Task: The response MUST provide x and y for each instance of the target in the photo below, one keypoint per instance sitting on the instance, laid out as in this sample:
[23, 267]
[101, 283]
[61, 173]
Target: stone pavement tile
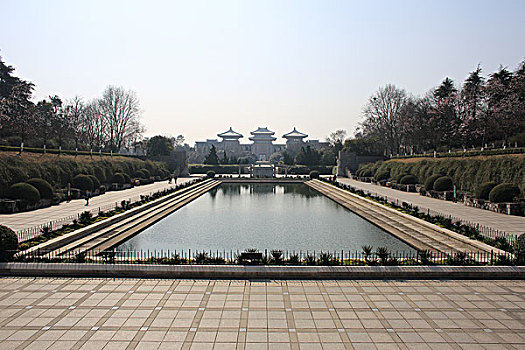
[386, 346]
[279, 346]
[38, 344]
[201, 346]
[175, 336]
[225, 346]
[310, 346]
[171, 345]
[21, 335]
[226, 337]
[11, 344]
[359, 337]
[116, 345]
[63, 344]
[147, 345]
[94, 345]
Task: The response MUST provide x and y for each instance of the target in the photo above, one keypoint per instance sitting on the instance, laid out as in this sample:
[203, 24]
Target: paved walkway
[207, 314]
[496, 221]
[24, 220]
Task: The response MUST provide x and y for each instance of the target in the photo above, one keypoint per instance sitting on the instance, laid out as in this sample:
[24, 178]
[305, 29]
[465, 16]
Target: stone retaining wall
[262, 272]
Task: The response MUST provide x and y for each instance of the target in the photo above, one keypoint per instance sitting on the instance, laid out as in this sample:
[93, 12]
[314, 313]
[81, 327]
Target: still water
[263, 216]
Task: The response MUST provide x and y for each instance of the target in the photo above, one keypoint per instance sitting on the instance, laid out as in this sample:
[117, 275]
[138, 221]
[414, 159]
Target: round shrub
[100, 174]
[364, 173]
[382, 175]
[24, 191]
[400, 176]
[82, 182]
[43, 187]
[444, 183]
[139, 174]
[8, 243]
[408, 180]
[504, 193]
[127, 178]
[146, 172]
[118, 178]
[210, 174]
[484, 189]
[96, 183]
[314, 174]
[429, 183]
[17, 174]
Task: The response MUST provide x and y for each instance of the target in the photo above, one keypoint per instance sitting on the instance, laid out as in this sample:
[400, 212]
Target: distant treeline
[482, 112]
[108, 123]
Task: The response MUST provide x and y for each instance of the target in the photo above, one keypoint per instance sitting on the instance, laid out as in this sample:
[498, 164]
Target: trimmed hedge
[127, 178]
[400, 176]
[210, 174]
[60, 170]
[444, 183]
[43, 187]
[24, 191]
[118, 178]
[484, 189]
[82, 182]
[467, 173]
[8, 243]
[382, 175]
[146, 173]
[96, 183]
[429, 183]
[504, 193]
[409, 180]
[139, 174]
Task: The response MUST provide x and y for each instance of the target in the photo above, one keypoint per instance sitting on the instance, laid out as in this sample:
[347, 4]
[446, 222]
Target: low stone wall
[504, 208]
[262, 272]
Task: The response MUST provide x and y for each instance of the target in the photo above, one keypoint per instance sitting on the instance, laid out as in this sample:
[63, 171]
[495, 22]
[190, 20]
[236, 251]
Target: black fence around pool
[377, 256]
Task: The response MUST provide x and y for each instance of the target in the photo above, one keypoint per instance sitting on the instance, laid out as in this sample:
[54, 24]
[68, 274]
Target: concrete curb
[264, 272]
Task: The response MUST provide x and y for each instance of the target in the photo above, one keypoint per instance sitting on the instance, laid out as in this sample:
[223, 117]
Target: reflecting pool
[263, 216]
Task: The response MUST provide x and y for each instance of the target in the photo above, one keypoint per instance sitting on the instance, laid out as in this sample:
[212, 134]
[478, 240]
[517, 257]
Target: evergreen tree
[212, 158]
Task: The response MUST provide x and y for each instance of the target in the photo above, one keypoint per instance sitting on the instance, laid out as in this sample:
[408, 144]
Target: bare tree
[74, 110]
[382, 116]
[337, 139]
[121, 111]
[93, 126]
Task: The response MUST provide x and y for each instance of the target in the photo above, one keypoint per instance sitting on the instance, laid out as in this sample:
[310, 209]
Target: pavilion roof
[294, 134]
[230, 134]
[262, 131]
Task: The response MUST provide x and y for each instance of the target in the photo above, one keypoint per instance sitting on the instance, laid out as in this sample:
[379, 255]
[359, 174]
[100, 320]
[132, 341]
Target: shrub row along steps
[109, 233]
[418, 233]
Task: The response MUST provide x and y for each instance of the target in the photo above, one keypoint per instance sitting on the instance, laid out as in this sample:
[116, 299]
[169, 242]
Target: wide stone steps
[415, 232]
[120, 229]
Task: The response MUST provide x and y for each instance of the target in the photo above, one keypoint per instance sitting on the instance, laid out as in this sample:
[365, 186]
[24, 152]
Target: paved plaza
[219, 314]
[496, 221]
[28, 219]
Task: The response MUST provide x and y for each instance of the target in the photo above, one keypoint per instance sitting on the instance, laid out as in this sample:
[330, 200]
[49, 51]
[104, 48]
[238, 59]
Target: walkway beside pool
[508, 223]
[28, 219]
[45, 313]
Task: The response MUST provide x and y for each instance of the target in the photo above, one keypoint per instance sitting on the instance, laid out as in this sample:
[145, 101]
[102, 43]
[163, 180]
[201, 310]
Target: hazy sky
[199, 67]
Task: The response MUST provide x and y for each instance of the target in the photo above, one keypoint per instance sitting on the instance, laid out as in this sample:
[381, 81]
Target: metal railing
[380, 256]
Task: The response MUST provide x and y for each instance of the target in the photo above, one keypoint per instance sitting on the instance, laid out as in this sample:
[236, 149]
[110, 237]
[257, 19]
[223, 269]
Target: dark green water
[263, 216]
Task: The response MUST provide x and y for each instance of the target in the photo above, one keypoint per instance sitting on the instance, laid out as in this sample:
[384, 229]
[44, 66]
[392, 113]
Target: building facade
[262, 146]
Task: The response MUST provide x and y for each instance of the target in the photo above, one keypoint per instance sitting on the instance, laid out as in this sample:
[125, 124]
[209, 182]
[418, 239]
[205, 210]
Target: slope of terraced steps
[119, 229]
[415, 232]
